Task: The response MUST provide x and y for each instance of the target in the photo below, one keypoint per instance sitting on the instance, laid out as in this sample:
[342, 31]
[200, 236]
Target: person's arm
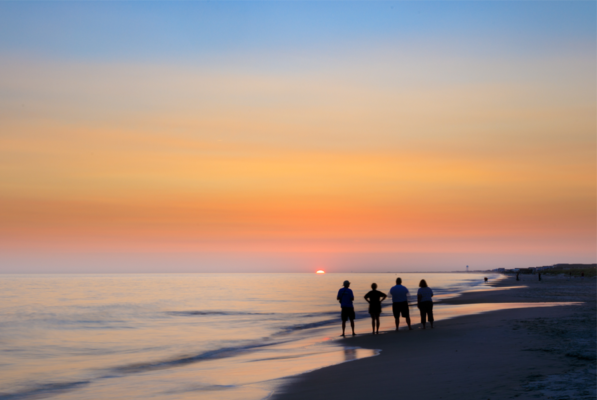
[383, 297]
[367, 298]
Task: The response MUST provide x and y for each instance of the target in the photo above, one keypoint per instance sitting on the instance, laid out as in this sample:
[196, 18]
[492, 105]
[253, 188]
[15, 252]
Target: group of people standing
[374, 297]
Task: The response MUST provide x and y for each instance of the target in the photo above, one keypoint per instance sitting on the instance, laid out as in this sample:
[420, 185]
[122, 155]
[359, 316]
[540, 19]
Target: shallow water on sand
[166, 336]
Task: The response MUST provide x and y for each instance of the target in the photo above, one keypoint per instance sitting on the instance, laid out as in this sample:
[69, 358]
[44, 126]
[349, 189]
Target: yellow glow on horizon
[320, 272]
[190, 161]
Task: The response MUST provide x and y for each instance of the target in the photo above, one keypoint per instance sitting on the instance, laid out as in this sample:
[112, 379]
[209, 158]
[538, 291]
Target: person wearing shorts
[374, 298]
[400, 303]
[345, 297]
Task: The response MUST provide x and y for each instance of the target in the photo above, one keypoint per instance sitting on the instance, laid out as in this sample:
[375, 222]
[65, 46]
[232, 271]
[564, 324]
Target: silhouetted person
[374, 298]
[425, 303]
[345, 297]
[485, 279]
[539, 274]
[582, 276]
[400, 303]
[517, 274]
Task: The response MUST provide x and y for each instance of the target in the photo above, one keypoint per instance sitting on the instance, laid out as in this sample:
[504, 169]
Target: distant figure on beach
[374, 298]
[539, 274]
[517, 274]
[345, 297]
[582, 275]
[425, 303]
[400, 303]
[485, 279]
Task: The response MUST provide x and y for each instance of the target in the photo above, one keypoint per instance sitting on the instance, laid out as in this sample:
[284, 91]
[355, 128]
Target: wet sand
[524, 353]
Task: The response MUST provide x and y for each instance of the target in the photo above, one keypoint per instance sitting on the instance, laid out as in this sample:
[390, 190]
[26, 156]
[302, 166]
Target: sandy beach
[523, 353]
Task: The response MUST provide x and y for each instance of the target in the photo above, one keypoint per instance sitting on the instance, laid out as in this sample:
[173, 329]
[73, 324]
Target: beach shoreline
[522, 353]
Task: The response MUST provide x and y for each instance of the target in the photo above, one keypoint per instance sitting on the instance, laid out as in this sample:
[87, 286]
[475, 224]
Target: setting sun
[173, 170]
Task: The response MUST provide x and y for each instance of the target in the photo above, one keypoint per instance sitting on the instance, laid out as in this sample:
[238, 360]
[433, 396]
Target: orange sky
[339, 159]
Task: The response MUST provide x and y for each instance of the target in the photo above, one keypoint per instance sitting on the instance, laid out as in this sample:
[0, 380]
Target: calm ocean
[182, 336]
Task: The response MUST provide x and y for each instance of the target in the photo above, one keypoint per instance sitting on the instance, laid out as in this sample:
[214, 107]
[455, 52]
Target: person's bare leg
[373, 324]
[397, 321]
[408, 323]
[377, 324]
[343, 327]
[352, 326]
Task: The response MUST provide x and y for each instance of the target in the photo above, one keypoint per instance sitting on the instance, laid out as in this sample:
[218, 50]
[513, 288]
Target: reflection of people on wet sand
[400, 303]
[345, 297]
[425, 303]
[350, 354]
[374, 298]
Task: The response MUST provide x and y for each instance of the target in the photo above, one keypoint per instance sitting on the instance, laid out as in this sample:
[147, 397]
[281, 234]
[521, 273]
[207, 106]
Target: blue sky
[151, 30]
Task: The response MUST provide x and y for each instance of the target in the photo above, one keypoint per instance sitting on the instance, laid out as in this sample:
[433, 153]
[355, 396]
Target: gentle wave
[38, 391]
[202, 388]
[226, 313]
[224, 352]
[43, 391]
[300, 327]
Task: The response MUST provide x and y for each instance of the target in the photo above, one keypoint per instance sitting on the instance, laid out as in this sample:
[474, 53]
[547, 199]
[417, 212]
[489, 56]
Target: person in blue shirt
[345, 297]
